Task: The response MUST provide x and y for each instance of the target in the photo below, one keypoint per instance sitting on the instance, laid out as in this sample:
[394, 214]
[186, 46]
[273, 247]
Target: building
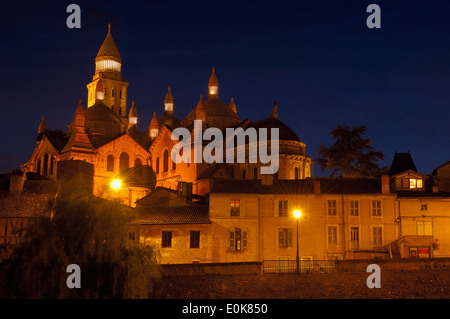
[106, 134]
[230, 212]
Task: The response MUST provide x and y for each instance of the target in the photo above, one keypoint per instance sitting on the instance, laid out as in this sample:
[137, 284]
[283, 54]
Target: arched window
[45, 172]
[38, 167]
[110, 163]
[255, 173]
[137, 162]
[52, 160]
[112, 92]
[296, 173]
[157, 165]
[124, 161]
[166, 161]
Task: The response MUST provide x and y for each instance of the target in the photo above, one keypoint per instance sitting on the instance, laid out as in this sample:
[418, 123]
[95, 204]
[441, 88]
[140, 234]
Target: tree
[87, 231]
[351, 154]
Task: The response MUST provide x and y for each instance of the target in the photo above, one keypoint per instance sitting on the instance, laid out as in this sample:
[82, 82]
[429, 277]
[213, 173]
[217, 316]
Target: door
[354, 238]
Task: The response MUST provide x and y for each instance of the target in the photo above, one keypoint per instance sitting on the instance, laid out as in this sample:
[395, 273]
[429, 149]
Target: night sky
[318, 59]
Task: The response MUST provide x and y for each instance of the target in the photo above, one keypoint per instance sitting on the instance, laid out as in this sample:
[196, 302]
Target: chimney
[316, 186]
[385, 188]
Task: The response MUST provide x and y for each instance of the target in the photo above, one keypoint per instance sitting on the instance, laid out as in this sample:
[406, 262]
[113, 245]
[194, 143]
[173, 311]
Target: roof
[109, 48]
[303, 186]
[401, 163]
[163, 215]
[284, 131]
[100, 112]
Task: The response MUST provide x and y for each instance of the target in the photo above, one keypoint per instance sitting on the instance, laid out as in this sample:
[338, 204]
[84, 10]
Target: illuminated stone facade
[106, 135]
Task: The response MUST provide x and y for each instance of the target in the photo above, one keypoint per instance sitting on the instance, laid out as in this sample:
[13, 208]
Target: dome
[213, 81]
[133, 111]
[218, 114]
[99, 112]
[285, 133]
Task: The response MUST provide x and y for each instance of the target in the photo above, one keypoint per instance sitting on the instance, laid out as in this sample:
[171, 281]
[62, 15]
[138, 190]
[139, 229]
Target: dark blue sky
[318, 59]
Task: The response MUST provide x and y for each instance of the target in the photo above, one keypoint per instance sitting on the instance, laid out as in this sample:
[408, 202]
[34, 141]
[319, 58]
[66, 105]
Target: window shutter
[420, 228]
[227, 205]
[280, 238]
[244, 239]
[231, 239]
[276, 207]
[242, 208]
[428, 228]
[289, 239]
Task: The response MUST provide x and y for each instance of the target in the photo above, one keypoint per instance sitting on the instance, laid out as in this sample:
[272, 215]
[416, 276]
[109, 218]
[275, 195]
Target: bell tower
[108, 66]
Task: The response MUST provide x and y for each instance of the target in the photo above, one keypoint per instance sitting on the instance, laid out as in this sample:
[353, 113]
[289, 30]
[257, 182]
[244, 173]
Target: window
[124, 161]
[237, 239]
[377, 237]
[166, 161]
[132, 236]
[331, 207]
[409, 183]
[283, 208]
[110, 163]
[52, 160]
[38, 167]
[284, 237]
[296, 173]
[332, 235]
[424, 228]
[45, 165]
[166, 239]
[376, 208]
[157, 166]
[255, 173]
[424, 207]
[195, 239]
[120, 94]
[112, 92]
[354, 208]
[137, 162]
[235, 207]
[243, 174]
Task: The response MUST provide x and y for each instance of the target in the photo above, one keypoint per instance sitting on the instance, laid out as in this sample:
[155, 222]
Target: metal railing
[304, 266]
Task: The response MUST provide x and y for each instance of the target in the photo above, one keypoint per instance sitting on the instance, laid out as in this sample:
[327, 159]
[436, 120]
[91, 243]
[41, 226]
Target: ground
[429, 284]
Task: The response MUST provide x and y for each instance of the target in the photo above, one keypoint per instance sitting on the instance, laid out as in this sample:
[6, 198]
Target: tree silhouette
[351, 154]
[87, 231]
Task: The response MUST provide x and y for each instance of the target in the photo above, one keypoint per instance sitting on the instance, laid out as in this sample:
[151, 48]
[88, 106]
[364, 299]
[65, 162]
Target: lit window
[237, 239]
[168, 107]
[213, 89]
[235, 208]
[133, 120]
[412, 183]
[419, 183]
[154, 132]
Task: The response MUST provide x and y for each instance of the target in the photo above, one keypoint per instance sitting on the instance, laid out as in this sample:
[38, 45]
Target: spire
[109, 48]
[154, 126]
[200, 110]
[275, 110]
[42, 126]
[168, 101]
[213, 85]
[108, 56]
[79, 140]
[232, 105]
[80, 118]
[132, 116]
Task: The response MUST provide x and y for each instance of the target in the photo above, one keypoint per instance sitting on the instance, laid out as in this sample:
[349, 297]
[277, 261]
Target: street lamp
[297, 215]
[116, 184]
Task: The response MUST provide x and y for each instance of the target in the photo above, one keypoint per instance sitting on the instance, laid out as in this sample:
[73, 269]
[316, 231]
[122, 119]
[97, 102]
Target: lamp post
[297, 215]
[116, 184]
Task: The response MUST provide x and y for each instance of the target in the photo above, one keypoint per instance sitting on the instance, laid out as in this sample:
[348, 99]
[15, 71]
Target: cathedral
[104, 132]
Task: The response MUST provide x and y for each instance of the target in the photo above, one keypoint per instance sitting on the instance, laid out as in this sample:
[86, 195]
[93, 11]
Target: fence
[304, 266]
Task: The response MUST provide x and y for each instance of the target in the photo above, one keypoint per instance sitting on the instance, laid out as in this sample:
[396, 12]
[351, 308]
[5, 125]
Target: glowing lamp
[297, 214]
[116, 184]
